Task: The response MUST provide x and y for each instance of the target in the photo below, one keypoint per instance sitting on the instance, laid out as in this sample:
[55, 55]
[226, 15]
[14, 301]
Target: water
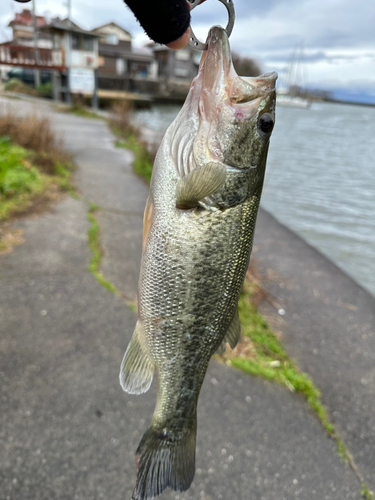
[320, 179]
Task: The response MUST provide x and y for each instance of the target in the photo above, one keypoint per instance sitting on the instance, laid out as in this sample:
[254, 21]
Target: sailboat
[291, 92]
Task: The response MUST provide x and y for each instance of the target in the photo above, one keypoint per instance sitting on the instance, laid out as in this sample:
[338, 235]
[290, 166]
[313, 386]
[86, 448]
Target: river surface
[320, 179]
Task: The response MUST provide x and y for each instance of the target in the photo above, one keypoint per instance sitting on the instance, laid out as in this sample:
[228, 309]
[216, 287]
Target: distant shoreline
[351, 103]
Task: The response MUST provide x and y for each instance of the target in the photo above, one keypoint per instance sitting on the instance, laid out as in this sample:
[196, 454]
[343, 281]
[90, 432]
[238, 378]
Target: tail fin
[165, 458]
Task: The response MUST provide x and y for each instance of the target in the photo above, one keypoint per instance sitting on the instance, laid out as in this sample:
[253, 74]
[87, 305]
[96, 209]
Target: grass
[366, 493]
[19, 178]
[15, 85]
[143, 162]
[34, 132]
[79, 110]
[261, 353]
[94, 245]
[122, 126]
[31, 160]
[22, 177]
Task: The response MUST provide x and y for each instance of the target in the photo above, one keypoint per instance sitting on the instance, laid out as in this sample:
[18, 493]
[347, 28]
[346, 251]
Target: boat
[290, 101]
[292, 92]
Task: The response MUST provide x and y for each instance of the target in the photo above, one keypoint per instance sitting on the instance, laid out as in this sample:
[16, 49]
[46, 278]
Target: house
[75, 47]
[21, 50]
[176, 70]
[176, 65]
[117, 56]
[76, 50]
[23, 30]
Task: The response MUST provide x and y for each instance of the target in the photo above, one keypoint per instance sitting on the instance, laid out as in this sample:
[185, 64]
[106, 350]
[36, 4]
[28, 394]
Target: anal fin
[198, 184]
[137, 370]
[232, 336]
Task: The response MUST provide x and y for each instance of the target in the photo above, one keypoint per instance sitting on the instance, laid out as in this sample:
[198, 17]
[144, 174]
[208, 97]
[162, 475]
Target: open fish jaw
[198, 231]
[221, 112]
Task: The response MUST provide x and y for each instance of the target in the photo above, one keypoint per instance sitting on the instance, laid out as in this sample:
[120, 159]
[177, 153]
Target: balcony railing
[29, 57]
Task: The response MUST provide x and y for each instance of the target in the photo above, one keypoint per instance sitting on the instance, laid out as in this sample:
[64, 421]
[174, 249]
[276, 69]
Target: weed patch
[82, 111]
[94, 245]
[31, 160]
[266, 357]
[19, 178]
[143, 162]
[122, 126]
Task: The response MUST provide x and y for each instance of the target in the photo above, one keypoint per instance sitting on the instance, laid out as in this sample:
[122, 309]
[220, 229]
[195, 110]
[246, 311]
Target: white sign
[82, 81]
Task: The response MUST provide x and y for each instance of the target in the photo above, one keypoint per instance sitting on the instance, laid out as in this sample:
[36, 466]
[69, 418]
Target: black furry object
[163, 20]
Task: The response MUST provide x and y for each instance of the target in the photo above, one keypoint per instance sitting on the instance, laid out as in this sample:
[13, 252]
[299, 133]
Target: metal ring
[197, 44]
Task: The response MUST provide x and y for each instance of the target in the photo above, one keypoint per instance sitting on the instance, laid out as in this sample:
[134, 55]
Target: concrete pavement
[68, 431]
[329, 327]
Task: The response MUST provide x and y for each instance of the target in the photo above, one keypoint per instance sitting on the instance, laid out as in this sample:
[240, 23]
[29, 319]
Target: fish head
[236, 114]
[226, 119]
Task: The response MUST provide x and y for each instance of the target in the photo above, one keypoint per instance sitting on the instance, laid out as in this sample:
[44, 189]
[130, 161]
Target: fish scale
[198, 231]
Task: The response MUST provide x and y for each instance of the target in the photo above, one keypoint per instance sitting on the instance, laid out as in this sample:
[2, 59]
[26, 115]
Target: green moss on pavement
[270, 359]
[94, 245]
[366, 493]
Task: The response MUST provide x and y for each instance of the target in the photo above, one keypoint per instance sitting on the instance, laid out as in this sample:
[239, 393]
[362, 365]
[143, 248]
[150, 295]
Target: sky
[337, 35]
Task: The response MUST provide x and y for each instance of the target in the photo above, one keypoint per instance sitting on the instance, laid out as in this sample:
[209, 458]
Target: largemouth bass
[198, 231]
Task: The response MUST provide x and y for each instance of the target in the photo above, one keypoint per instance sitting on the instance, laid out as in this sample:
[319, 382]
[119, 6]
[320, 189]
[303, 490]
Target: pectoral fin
[137, 370]
[232, 336]
[201, 182]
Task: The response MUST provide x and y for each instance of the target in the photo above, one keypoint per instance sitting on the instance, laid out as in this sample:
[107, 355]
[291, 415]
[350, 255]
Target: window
[182, 55]
[88, 43]
[76, 42]
[111, 39]
[181, 72]
[120, 66]
[56, 41]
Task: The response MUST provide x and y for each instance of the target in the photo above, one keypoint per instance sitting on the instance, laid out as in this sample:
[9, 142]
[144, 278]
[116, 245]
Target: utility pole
[35, 27]
[68, 55]
[69, 10]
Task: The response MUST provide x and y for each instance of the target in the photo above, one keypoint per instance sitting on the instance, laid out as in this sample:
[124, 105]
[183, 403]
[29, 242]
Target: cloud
[336, 33]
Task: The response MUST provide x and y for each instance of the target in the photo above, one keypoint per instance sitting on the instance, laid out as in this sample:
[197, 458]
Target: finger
[181, 42]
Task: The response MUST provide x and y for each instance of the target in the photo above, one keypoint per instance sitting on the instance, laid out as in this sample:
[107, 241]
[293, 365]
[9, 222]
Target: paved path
[67, 429]
[329, 327]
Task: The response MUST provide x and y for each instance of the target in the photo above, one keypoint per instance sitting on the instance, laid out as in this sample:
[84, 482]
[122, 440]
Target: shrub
[121, 118]
[15, 85]
[34, 132]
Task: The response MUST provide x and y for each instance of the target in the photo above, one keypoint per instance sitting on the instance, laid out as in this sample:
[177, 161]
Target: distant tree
[245, 66]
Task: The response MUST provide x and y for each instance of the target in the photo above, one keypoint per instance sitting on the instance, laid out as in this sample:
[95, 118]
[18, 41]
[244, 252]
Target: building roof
[102, 28]
[25, 18]
[67, 25]
[141, 54]
[157, 47]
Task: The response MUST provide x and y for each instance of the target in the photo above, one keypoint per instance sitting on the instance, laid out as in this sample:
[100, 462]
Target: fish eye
[266, 123]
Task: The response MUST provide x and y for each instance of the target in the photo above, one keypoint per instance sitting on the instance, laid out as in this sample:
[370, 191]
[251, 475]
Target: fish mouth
[220, 77]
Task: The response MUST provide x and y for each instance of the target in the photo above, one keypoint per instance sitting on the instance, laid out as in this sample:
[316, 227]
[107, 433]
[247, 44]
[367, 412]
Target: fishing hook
[197, 44]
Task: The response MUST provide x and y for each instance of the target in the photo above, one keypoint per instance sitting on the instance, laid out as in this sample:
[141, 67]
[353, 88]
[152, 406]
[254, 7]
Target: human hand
[165, 21]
